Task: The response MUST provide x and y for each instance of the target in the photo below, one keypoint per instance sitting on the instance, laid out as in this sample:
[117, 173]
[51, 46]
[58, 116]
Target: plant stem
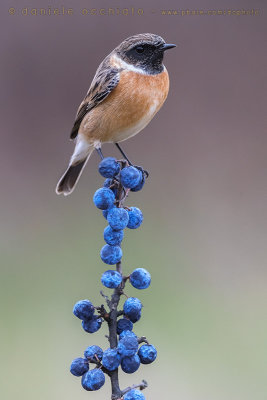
[140, 386]
[112, 325]
[113, 306]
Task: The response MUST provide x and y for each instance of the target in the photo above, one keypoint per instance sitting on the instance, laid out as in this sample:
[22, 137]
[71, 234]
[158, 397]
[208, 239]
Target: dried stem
[112, 325]
[141, 386]
[112, 322]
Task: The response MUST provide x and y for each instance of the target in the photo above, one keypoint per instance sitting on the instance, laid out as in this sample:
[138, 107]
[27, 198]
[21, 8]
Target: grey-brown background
[204, 234]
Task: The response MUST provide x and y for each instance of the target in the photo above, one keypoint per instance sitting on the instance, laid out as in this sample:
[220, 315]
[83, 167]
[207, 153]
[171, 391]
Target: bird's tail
[68, 181]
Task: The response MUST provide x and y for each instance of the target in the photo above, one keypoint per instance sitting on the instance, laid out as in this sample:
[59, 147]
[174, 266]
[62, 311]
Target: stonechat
[128, 89]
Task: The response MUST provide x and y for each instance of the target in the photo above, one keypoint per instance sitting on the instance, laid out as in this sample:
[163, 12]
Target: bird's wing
[105, 80]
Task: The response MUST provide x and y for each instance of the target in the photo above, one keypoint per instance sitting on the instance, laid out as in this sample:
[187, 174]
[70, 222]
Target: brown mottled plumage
[128, 89]
[105, 80]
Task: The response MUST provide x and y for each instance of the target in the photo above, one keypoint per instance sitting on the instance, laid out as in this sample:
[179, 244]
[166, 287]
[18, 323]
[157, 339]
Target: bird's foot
[144, 172]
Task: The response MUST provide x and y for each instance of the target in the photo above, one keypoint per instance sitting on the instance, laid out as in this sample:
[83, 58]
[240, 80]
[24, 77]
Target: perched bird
[128, 89]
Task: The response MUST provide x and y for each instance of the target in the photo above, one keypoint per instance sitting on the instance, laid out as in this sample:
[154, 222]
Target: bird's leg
[129, 162]
[123, 154]
[99, 151]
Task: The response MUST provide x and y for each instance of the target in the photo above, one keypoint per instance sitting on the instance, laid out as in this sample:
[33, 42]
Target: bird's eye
[139, 49]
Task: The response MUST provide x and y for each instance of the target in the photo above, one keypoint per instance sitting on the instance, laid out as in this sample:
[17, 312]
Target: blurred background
[204, 234]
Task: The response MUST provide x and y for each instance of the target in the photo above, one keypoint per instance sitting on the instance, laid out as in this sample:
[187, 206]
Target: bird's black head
[144, 51]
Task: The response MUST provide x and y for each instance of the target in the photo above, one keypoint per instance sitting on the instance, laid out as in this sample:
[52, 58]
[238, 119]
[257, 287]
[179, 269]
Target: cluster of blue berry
[109, 199]
[125, 349]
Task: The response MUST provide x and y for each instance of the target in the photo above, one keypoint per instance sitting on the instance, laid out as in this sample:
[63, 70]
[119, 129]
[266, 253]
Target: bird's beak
[167, 46]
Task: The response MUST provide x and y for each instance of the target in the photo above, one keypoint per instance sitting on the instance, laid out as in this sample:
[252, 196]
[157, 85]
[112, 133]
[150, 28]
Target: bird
[129, 87]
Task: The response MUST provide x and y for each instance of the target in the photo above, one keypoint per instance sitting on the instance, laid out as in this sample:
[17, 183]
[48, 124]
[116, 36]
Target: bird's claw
[144, 172]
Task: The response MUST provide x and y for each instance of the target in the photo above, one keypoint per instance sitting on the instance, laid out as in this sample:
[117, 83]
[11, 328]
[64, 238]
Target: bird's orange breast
[128, 108]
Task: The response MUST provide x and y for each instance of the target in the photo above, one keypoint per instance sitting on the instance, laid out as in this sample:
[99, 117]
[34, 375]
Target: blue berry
[135, 218]
[93, 380]
[111, 359]
[111, 254]
[105, 212]
[130, 364]
[147, 353]
[111, 279]
[92, 351]
[118, 218]
[79, 366]
[83, 309]
[104, 198]
[132, 309]
[135, 317]
[124, 324]
[108, 182]
[127, 333]
[140, 185]
[140, 278]
[109, 167]
[128, 346]
[92, 325]
[114, 238]
[134, 394]
[130, 177]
